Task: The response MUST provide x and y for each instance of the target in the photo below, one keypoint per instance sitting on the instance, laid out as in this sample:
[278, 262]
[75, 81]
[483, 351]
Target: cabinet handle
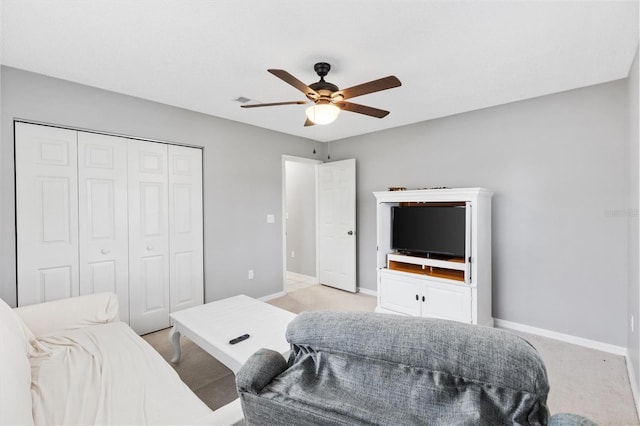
[417, 298]
[105, 251]
[423, 299]
[149, 248]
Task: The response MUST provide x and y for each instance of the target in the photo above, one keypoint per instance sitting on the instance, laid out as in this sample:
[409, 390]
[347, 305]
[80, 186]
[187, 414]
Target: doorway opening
[300, 199]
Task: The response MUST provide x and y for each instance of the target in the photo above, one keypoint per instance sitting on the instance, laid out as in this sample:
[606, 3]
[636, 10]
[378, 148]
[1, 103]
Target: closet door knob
[105, 251]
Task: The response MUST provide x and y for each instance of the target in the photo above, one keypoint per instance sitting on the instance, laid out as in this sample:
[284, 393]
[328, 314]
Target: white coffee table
[212, 325]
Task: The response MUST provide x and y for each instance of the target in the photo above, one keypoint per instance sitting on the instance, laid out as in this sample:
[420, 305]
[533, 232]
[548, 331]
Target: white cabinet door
[148, 237]
[400, 294]
[448, 301]
[46, 213]
[185, 227]
[103, 232]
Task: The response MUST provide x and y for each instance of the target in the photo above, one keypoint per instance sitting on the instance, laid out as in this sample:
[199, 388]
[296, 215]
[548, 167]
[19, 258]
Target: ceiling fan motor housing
[322, 87]
[322, 69]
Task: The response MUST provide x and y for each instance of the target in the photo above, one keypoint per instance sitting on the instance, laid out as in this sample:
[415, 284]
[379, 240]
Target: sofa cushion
[107, 374]
[15, 373]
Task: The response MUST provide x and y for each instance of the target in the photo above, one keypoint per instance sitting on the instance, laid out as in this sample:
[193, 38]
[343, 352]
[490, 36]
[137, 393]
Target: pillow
[15, 370]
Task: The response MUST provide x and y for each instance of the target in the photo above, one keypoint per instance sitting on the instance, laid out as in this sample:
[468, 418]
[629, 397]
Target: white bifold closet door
[148, 235]
[46, 213]
[104, 213]
[185, 227]
[165, 232]
[102, 206]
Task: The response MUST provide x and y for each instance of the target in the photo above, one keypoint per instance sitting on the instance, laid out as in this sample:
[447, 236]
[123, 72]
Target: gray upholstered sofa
[356, 368]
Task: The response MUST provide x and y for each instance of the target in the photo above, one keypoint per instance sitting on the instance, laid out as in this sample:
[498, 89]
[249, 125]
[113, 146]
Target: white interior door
[46, 213]
[103, 231]
[148, 237]
[185, 227]
[337, 224]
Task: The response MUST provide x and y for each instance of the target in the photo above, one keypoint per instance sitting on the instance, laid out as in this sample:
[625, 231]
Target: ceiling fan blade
[288, 78]
[309, 123]
[363, 109]
[273, 104]
[370, 87]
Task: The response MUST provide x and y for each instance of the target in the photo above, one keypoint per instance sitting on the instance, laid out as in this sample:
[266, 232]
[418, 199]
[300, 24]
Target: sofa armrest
[259, 370]
[69, 314]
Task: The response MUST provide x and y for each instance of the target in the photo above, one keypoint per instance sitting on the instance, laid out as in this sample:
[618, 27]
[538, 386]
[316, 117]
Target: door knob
[350, 233]
[105, 251]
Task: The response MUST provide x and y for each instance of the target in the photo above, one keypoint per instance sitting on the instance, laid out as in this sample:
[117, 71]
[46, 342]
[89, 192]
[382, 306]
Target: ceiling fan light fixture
[322, 113]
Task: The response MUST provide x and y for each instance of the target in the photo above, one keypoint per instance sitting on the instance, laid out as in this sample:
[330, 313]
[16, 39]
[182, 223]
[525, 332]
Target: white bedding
[106, 374]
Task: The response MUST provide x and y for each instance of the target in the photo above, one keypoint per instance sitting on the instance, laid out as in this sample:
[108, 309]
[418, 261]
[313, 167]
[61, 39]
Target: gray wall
[301, 217]
[242, 174]
[558, 165]
[559, 169]
[633, 298]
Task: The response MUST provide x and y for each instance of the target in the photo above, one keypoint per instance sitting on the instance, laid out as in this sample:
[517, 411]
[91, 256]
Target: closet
[98, 213]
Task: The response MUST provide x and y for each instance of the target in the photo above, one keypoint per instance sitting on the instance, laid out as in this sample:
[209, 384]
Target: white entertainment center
[450, 287]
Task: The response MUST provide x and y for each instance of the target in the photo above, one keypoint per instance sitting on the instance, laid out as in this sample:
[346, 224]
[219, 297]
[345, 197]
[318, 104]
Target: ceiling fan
[328, 99]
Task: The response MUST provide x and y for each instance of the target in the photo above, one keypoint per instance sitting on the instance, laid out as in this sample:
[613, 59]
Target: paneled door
[337, 224]
[185, 227]
[102, 196]
[46, 213]
[148, 236]
[103, 213]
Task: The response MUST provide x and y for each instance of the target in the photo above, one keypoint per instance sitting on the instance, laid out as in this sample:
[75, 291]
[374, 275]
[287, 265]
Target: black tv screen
[429, 230]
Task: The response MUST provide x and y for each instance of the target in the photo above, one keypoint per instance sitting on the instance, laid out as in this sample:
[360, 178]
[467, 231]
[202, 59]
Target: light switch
[271, 218]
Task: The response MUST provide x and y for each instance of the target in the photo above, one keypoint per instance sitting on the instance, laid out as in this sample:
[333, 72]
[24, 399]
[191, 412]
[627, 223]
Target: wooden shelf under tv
[452, 268]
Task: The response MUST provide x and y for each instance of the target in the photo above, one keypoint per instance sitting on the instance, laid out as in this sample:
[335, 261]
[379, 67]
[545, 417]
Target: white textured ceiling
[451, 56]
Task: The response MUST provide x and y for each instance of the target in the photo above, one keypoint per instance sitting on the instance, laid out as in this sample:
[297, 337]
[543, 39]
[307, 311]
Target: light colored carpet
[586, 381]
[583, 381]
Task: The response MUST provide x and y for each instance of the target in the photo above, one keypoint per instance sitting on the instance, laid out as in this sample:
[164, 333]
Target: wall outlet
[250, 274]
[293, 254]
[271, 218]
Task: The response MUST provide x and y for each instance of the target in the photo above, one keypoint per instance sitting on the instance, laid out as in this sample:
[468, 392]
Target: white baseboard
[367, 292]
[301, 277]
[587, 343]
[633, 382]
[272, 296]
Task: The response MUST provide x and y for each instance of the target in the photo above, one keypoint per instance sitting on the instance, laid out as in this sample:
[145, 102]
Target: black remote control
[239, 339]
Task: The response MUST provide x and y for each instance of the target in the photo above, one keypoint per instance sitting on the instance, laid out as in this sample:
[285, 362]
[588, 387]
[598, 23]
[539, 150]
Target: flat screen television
[429, 230]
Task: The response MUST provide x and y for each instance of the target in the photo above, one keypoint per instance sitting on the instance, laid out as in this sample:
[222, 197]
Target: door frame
[285, 159]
